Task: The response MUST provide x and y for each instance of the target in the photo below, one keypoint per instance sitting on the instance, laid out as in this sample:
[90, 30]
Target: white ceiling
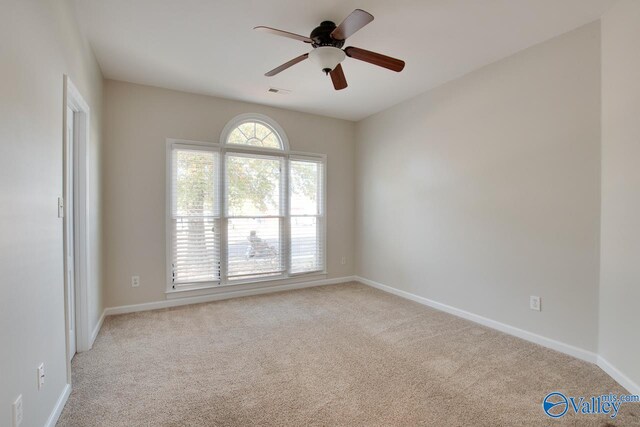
[209, 47]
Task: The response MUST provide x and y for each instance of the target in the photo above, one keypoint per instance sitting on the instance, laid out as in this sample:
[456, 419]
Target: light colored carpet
[333, 355]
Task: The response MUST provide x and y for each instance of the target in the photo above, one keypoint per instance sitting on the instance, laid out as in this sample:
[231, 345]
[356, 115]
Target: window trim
[287, 277]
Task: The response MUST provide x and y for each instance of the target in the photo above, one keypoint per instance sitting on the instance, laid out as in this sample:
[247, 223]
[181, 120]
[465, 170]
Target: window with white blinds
[195, 216]
[306, 220]
[241, 212]
[255, 215]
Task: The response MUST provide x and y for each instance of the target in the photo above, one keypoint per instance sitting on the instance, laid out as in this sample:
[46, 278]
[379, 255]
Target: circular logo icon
[555, 404]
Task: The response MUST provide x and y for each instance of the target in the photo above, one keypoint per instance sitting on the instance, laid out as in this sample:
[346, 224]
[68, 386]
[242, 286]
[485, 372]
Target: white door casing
[79, 336]
[69, 231]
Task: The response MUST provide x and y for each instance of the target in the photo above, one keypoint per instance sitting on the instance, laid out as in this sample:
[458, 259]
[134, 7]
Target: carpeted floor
[333, 355]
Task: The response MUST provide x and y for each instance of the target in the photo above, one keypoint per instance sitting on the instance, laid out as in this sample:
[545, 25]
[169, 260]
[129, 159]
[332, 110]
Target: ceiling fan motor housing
[321, 35]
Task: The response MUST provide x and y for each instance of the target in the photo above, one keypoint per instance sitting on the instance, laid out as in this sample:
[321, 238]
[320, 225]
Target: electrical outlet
[17, 412]
[534, 303]
[344, 260]
[135, 281]
[41, 376]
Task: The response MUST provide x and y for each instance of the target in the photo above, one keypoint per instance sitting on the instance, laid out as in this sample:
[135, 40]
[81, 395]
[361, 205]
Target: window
[195, 216]
[255, 215]
[244, 210]
[306, 221]
[256, 134]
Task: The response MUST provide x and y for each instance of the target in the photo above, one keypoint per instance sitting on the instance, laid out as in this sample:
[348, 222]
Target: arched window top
[255, 130]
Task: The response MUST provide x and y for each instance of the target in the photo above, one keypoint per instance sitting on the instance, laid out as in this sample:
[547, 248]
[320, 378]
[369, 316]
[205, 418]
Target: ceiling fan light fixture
[327, 57]
[327, 40]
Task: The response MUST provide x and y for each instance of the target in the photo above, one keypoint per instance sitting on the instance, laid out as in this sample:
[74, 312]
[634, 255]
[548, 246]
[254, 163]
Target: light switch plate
[41, 376]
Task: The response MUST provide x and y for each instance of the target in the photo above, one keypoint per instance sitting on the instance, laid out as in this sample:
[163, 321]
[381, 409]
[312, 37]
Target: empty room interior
[290, 213]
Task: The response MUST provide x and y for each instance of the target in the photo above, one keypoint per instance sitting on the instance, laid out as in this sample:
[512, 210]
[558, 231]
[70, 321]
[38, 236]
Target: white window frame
[223, 148]
[323, 211]
[204, 146]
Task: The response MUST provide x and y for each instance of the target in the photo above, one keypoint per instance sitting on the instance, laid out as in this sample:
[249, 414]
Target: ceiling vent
[279, 91]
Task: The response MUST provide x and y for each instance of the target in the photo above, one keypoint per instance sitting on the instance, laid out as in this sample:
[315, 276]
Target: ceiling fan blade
[338, 78]
[352, 23]
[378, 59]
[286, 65]
[283, 34]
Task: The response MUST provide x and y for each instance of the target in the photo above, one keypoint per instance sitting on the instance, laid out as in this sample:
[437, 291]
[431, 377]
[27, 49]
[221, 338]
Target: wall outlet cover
[135, 281]
[535, 303]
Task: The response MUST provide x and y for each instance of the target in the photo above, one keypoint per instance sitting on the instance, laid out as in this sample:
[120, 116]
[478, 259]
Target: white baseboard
[57, 410]
[617, 375]
[96, 330]
[569, 349]
[223, 294]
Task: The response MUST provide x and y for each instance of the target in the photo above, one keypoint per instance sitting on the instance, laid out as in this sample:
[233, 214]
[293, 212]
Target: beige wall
[39, 42]
[138, 121]
[476, 194]
[486, 190]
[620, 268]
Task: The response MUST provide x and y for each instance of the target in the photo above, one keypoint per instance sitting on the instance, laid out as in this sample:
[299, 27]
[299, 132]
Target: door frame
[68, 215]
[82, 114]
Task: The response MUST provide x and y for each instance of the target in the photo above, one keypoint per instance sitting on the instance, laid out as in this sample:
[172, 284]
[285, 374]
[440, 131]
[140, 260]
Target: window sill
[230, 288]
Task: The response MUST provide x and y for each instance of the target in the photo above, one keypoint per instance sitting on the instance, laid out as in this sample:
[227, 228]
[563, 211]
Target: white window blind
[195, 216]
[255, 215]
[306, 221]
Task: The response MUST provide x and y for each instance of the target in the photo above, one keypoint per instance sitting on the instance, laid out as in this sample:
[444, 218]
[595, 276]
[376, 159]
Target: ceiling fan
[327, 41]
